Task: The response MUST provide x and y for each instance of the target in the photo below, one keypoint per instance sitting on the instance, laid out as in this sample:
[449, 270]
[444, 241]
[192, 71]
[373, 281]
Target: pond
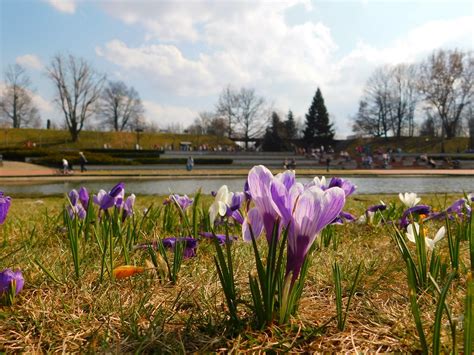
[365, 185]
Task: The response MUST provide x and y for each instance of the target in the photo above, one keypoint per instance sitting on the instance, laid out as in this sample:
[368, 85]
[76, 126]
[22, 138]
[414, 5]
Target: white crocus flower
[222, 200]
[414, 229]
[320, 182]
[409, 199]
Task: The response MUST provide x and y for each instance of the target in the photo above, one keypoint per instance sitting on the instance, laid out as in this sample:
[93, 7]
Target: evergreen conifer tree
[273, 141]
[318, 130]
[290, 126]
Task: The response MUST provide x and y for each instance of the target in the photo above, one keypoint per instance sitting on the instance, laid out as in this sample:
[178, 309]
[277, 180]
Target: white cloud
[249, 43]
[164, 64]
[180, 20]
[165, 115]
[66, 6]
[45, 107]
[29, 61]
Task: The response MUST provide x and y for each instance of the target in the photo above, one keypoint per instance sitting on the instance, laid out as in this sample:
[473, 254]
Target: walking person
[190, 163]
[328, 163]
[82, 161]
[65, 166]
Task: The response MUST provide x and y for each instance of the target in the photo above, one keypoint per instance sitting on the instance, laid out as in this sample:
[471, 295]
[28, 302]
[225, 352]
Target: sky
[179, 55]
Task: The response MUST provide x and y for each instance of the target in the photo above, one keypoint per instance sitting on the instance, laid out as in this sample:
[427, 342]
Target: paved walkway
[17, 171]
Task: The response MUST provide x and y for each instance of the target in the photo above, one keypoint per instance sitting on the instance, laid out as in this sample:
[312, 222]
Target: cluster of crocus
[221, 238]
[190, 245]
[182, 201]
[78, 203]
[5, 203]
[460, 208]
[417, 211]
[368, 216]
[346, 185]
[115, 198]
[227, 204]
[291, 215]
[303, 210]
[11, 283]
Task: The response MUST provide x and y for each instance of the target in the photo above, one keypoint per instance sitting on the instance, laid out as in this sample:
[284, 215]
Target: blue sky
[179, 55]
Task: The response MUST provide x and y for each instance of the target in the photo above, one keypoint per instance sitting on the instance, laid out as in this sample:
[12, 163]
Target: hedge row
[127, 153]
[21, 154]
[101, 159]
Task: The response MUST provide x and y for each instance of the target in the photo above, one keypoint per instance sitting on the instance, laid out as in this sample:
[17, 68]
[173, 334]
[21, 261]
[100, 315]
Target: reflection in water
[366, 185]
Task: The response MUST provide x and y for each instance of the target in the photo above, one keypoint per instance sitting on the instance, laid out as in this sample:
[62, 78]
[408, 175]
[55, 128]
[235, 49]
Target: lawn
[86, 309]
[61, 140]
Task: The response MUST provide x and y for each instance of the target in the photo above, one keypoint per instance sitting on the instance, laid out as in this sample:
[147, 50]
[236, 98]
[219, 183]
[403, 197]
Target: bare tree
[78, 89]
[367, 121]
[431, 124]
[389, 102]
[244, 112]
[208, 123]
[227, 108]
[120, 106]
[16, 103]
[471, 132]
[446, 83]
[374, 113]
[251, 114]
[217, 127]
[402, 99]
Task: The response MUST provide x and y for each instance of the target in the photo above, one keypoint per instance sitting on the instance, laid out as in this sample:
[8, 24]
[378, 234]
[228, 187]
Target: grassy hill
[408, 144]
[58, 139]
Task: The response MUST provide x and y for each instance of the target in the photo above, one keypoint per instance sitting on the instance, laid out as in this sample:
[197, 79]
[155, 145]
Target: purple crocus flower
[458, 207]
[7, 277]
[5, 203]
[248, 197]
[233, 210]
[128, 206]
[190, 245]
[84, 197]
[375, 208]
[348, 187]
[75, 208]
[73, 196]
[311, 211]
[170, 243]
[344, 217]
[260, 181]
[304, 211]
[183, 201]
[221, 238]
[114, 197]
[415, 210]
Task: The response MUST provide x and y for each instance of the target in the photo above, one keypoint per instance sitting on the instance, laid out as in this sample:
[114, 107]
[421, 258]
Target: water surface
[365, 185]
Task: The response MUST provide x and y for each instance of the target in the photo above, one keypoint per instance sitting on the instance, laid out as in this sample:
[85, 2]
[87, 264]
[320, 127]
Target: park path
[11, 171]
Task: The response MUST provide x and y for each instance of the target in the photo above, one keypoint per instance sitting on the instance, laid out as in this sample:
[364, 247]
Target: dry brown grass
[141, 314]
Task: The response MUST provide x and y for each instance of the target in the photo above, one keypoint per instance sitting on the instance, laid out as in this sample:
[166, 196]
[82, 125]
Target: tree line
[80, 93]
[440, 88]
[243, 115]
